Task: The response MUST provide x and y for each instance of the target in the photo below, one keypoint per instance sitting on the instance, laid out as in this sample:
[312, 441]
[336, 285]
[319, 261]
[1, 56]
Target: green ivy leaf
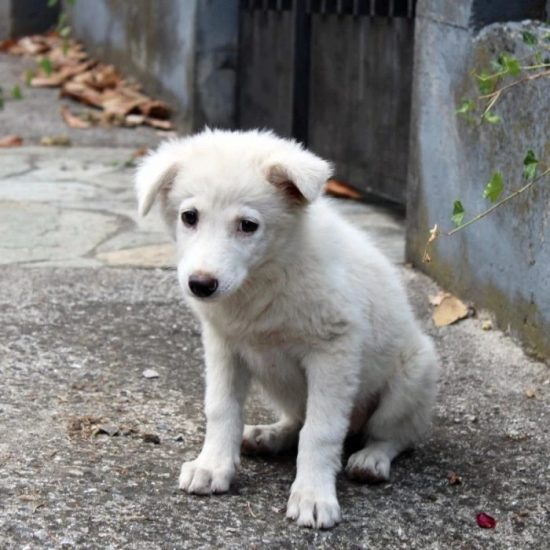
[458, 213]
[494, 187]
[52, 3]
[491, 118]
[61, 22]
[529, 38]
[530, 163]
[46, 65]
[537, 58]
[16, 92]
[466, 106]
[485, 82]
[510, 65]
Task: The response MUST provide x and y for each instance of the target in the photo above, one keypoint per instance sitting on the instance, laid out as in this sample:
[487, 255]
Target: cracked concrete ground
[90, 449]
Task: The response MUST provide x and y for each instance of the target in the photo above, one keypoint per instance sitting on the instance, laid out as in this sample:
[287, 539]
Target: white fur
[306, 307]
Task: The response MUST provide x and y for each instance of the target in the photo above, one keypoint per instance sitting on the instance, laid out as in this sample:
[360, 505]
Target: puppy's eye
[247, 226]
[190, 217]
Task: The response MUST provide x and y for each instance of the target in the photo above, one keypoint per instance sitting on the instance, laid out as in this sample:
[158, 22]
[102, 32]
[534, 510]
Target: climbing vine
[506, 73]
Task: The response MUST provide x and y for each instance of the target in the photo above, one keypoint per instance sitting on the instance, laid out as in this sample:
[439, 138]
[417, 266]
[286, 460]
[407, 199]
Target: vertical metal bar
[302, 58]
[372, 8]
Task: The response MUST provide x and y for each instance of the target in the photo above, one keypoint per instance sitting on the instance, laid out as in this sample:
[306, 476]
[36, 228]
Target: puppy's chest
[272, 355]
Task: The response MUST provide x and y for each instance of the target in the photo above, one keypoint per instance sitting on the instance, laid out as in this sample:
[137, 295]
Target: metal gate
[336, 75]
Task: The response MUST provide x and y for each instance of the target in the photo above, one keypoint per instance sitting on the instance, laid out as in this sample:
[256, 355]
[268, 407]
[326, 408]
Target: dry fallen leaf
[55, 141]
[155, 109]
[57, 78]
[122, 101]
[449, 311]
[103, 77]
[7, 45]
[341, 189]
[134, 120]
[159, 124]
[72, 120]
[65, 64]
[434, 234]
[82, 93]
[11, 141]
[140, 152]
[454, 479]
[438, 298]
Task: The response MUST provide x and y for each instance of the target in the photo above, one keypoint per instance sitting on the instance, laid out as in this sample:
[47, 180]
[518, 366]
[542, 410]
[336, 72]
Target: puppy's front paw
[201, 477]
[313, 507]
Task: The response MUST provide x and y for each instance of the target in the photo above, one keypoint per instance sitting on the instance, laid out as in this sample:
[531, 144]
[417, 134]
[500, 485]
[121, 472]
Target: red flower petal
[486, 521]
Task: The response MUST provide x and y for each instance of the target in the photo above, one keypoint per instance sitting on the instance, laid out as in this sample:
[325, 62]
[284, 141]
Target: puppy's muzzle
[202, 285]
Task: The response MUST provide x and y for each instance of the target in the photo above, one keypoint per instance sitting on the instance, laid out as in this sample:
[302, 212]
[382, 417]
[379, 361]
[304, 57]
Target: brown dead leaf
[55, 141]
[31, 45]
[454, 479]
[155, 109]
[57, 78]
[89, 82]
[103, 77]
[83, 426]
[341, 189]
[11, 141]
[449, 311]
[438, 298]
[121, 101]
[134, 120]
[434, 234]
[82, 93]
[140, 152]
[159, 124]
[7, 45]
[73, 121]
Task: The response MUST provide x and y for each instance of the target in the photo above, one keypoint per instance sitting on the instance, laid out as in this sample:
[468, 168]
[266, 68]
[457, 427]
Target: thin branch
[539, 66]
[491, 103]
[515, 83]
[499, 203]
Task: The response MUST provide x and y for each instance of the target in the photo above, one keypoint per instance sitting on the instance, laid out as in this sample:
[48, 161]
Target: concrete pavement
[90, 449]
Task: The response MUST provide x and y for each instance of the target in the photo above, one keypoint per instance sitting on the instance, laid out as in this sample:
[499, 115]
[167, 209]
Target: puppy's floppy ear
[301, 175]
[155, 172]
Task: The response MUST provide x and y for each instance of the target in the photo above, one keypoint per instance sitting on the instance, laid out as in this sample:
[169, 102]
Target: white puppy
[292, 296]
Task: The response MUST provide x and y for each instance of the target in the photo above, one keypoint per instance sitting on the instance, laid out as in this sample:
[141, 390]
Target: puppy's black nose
[202, 285]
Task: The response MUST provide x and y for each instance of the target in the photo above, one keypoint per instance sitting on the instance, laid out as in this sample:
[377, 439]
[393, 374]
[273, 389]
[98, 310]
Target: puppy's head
[231, 200]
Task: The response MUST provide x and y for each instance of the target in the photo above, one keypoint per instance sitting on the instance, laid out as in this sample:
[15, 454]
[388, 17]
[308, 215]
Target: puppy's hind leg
[271, 438]
[402, 417]
[287, 399]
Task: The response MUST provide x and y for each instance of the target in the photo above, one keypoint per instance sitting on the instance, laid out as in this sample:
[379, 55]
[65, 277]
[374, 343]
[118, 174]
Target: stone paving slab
[77, 207]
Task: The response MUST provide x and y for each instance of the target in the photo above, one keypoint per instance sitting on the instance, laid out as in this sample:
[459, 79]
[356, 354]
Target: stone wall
[182, 51]
[503, 261]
